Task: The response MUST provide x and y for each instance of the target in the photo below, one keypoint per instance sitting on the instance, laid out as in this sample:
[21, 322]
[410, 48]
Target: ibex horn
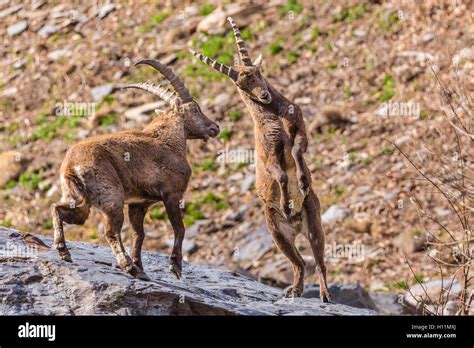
[175, 81]
[244, 54]
[163, 93]
[222, 68]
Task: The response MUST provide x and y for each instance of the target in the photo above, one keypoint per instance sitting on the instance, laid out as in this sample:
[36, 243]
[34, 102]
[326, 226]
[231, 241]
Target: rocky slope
[355, 67]
[34, 281]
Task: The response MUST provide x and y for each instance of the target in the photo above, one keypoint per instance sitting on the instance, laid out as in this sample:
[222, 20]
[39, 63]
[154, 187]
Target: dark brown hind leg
[136, 215]
[315, 235]
[285, 242]
[113, 221]
[71, 215]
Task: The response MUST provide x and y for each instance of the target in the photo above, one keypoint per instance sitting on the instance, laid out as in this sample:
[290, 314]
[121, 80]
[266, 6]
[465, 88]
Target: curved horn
[175, 81]
[222, 68]
[163, 93]
[244, 54]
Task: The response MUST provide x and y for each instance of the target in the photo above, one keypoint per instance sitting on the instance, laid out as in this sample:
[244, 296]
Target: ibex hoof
[63, 252]
[176, 270]
[293, 292]
[65, 256]
[139, 274]
[325, 296]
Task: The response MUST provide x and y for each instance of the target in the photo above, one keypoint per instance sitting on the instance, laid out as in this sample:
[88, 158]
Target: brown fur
[138, 168]
[283, 178]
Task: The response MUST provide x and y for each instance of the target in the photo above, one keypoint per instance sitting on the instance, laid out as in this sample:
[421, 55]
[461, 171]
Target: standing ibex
[138, 168]
[283, 179]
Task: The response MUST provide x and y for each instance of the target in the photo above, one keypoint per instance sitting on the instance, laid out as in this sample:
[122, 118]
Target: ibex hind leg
[315, 235]
[284, 235]
[71, 215]
[136, 215]
[113, 221]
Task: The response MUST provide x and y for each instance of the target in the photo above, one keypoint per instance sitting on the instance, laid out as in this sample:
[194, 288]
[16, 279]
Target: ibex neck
[169, 129]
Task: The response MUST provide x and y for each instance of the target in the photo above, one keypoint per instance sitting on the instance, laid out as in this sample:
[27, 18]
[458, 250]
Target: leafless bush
[444, 161]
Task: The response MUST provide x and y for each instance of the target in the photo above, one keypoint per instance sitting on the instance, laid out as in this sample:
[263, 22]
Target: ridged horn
[175, 81]
[163, 93]
[222, 68]
[244, 54]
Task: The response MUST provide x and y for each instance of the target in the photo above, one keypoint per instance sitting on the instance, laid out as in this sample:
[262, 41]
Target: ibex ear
[178, 106]
[258, 61]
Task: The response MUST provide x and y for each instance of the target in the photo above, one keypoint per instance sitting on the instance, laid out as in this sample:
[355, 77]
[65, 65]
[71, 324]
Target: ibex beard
[283, 178]
[137, 168]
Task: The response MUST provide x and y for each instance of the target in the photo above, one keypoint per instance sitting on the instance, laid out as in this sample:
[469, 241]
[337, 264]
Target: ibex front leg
[299, 147]
[279, 175]
[172, 204]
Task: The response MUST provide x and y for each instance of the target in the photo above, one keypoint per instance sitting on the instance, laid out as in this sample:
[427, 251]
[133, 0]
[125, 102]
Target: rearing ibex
[283, 179]
[138, 168]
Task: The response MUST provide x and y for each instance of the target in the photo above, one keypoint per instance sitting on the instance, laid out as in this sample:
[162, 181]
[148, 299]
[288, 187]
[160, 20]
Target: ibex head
[247, 75]
[196, 124]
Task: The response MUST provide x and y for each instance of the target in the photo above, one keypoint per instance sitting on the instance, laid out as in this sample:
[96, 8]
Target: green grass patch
[209, 164]
[108, 119]
[388, 90]
[351, 14]
[207, 9]
[235, 115]
[292, 56]
[50, 127]
[276, 47]
[291, 6]
[226, 133]
[155, 20]
[47, 225]
[30, 180]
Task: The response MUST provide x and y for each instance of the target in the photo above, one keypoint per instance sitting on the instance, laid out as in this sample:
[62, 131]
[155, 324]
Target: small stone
[359, 33]
[47, 30]
[100, 92]
[11, 10]
[391, 195]
[359, 225]
[410, 241]
[222, 100]
[254, 245]
[303, 100]
[334, 213]
[56, 54]
[441, 212]
[247, 183]
[105, 10]
[17, 28]
[428, 36]
[403, 140]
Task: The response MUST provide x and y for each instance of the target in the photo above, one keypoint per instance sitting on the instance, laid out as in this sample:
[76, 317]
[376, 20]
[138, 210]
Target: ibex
[138, 168]
[283, 179]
